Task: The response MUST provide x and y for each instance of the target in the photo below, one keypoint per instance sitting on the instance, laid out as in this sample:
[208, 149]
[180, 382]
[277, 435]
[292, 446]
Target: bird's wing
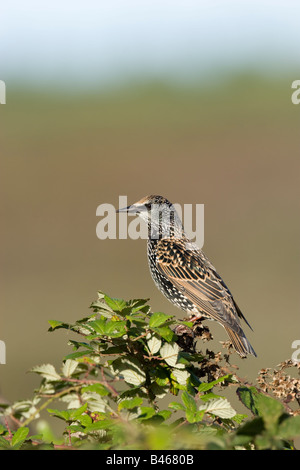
[196, 278]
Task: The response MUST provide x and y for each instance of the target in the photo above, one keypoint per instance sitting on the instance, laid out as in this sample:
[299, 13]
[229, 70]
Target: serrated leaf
[115, 329]
[176, 406]
[98, 388]
[134, 376]
[4, 443]
[189, 402]
[130, 403]
[99, 326]
[209, 396]
[191, 416]
[169, 353]
[139, 305]
[268, 408]
[204, 386]
[72, 399]
[117, 305]
[98, 425]
[165, 414]
[290, 428]
[47, 371]
[154, 344]
[157, 319]
[166, 333]
[181, 376]
[62, 414]
[219, 407]
[55, 324]
[130, 369]
[85, 420]
[78, 354]
[69, 367]
[19, 437]
[146, 412]
[94, 401]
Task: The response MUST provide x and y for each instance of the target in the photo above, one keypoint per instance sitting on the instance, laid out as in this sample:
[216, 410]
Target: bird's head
[160, 215]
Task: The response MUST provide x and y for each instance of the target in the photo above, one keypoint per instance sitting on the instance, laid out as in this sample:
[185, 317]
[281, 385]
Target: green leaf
[115, 329]
[99, 326]
[69, 367]
[130, 369]
[47, 371]
[117, 305]
[261, 405]
[176, 406]
[248, 396]
[139, 305]
[219, 407]
[166, 333]
[204, 386]
[19, 437]
[191, 416]
[75, 428]
[96, 426]
[189, 402]
[208, 396]
[289, 428]
[252, 428]
[157, 319]
[4, 443]
[2, 428]
[165, 414]
[62, 414]
[130, 403]
[146, 412]
[181, 376]
[85, 420]
[78, 354]
[270, 410]
[57, 324]
[169, 353]
[75, 414]
[153, 343]
[97, 388]
[94, 401]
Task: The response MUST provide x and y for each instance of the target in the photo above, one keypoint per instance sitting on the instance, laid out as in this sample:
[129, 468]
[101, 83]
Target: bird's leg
[199, 329]
[196, 318]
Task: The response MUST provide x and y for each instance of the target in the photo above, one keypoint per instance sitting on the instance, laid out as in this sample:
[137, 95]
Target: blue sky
[113, 40]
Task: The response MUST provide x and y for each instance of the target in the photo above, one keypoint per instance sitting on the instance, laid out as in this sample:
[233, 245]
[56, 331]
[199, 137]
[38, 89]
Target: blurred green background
[228, 140]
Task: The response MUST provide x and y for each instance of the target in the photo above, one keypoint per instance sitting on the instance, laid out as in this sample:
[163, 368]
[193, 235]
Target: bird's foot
[199, 329]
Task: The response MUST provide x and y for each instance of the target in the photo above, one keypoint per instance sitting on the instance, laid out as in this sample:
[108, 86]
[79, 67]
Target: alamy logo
[296, 94]
[2, 92]
[296, 354]
[2, 352]
[115, 224]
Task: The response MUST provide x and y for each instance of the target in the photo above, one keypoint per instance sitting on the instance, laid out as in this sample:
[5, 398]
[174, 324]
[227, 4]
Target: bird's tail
[240, 343]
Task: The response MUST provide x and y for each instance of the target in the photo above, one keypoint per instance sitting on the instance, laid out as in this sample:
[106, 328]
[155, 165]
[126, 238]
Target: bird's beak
[130, 209]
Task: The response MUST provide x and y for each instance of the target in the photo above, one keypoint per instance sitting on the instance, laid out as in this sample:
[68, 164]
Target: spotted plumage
[184, 274]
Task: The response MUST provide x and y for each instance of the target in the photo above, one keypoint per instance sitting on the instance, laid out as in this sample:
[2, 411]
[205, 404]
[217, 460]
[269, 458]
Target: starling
[184, 274]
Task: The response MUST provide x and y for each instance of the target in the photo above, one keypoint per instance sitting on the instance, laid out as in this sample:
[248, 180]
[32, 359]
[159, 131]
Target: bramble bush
[135, 380]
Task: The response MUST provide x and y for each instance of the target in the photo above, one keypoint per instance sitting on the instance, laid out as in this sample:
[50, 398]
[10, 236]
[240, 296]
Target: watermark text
[2, 92]
[296, 93]
[123, 225]
[296, 354]
[2, 352]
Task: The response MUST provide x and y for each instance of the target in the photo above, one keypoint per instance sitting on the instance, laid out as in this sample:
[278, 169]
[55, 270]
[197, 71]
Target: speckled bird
[184, 274]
